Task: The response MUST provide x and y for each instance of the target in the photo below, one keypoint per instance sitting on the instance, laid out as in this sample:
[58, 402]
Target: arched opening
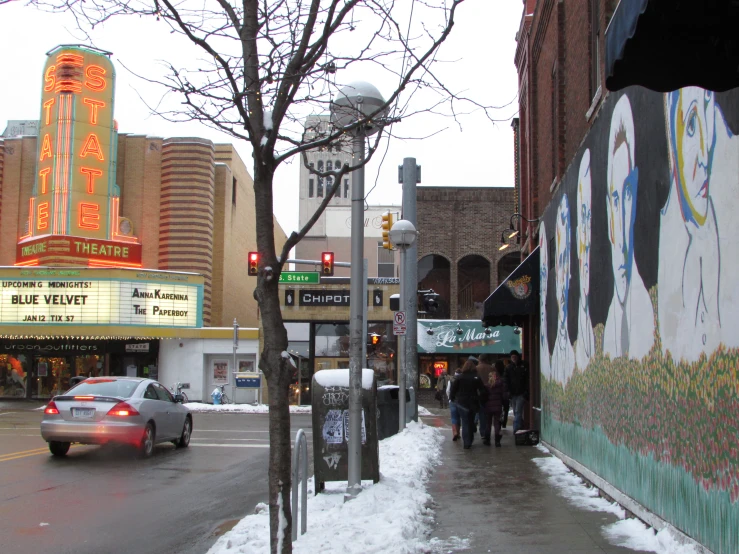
[473, 281]
[434, 272]
[507, 264]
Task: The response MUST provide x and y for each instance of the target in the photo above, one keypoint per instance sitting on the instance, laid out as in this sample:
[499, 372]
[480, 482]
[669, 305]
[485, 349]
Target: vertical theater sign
[74, 209]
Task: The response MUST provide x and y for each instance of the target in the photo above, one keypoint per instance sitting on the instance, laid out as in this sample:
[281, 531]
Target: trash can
[216, 396]
[388, 410]
[330, 403]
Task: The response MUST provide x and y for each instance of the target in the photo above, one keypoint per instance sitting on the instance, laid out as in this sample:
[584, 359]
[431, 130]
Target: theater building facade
[112, 242]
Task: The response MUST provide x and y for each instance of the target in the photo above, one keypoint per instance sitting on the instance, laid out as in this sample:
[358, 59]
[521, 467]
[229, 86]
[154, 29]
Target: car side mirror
[178, 398]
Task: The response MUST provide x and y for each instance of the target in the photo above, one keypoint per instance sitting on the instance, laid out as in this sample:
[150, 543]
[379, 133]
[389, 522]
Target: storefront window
[332, 340]
[13, 375]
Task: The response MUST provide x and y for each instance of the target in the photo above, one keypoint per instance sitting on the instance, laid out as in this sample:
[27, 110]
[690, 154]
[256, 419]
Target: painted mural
[639, 337]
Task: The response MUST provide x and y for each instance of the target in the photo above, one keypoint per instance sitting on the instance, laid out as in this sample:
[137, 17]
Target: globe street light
[356, 102]
[402, 236]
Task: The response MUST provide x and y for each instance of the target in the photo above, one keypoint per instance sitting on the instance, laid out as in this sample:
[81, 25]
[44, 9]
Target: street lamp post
[355, 102]
[403, 236]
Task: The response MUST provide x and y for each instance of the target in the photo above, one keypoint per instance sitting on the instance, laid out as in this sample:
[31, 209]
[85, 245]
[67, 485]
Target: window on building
[385, 262]
[346, 188]
[310, 188]
[319, 167]
[434, 272]
[234, 187]
[555, 124]
[337, 165]
[473, 286]
[594, 47]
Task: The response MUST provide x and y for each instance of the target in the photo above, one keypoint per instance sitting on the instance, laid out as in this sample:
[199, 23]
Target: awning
[516, 297]
[463, 336]
[665, 45]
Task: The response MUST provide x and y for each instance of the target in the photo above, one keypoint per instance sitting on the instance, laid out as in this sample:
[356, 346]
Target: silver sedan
[119, 410]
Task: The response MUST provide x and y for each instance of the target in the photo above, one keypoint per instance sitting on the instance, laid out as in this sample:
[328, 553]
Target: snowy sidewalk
[524, 500]
[436, 498]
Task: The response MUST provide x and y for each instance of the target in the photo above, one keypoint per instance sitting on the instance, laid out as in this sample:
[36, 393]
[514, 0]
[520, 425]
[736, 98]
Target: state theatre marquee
[95, 297]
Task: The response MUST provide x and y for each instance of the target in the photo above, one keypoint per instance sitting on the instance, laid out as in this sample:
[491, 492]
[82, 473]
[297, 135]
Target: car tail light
[84, 398]
[123, 409]
[51, 409]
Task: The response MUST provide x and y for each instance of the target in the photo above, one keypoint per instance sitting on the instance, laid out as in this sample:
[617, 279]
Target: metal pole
[402, 417]
[364, 318]
[354, 461]
[236, 345]
[411, 176]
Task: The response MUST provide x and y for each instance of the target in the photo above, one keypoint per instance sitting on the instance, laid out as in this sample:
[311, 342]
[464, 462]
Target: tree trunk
[277, 369]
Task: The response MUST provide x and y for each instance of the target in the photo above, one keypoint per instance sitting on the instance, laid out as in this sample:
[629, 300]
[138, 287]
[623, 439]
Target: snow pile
[629, 533]
[390, 516]
[340, 378]
[199, 407]
[574, 489]
[632, 533]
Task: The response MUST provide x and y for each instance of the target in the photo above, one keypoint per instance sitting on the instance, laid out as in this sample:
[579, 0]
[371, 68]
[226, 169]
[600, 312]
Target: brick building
[459, 254]
[633, 196]
[110, 242]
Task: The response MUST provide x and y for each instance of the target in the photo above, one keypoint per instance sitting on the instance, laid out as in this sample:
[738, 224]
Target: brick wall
[553, 60]
[455, 222]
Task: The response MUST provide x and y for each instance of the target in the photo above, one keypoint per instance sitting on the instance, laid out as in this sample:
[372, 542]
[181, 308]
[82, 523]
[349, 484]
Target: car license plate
[83, 412]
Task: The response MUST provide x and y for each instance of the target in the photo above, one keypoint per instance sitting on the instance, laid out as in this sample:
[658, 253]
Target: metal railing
[301, 446]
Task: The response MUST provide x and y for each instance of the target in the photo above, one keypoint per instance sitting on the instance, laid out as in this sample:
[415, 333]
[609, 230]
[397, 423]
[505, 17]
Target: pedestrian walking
[453, 410]
[441, 384]
[517, 379]
[468, 392]
[497, 395]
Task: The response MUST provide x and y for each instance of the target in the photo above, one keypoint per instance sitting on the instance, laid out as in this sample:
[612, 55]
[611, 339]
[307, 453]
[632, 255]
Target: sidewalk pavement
[500, 501]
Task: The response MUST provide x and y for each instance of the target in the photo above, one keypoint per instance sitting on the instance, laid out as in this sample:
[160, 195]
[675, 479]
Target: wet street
[107, 500]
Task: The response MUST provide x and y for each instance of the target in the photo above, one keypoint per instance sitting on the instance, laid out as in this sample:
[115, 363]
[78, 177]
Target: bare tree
[267, 65]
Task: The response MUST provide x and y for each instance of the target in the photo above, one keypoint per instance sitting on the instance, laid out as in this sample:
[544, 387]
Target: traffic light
[431, 302]
[375, 338]
[327, 264]
[387, 223]
[254, 263]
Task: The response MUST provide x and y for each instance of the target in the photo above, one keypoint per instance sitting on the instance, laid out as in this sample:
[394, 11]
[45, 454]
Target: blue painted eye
[692, 122]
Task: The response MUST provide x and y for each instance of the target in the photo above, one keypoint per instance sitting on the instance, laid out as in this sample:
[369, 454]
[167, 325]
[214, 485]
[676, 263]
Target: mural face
[562, 243]
[692, 127]
[690, 250]
[649, 401]
[623, 178]
[583, 225]
[543, 286]
[585, 344]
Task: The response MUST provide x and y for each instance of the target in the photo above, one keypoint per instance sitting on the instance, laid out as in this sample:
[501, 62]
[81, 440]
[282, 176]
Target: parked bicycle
[177, 389]
[224, 397]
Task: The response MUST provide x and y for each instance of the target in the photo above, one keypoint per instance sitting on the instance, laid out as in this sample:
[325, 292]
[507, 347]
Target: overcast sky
[481, 46]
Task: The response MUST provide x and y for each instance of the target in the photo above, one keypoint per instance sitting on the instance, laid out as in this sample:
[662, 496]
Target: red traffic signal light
[253, 263]
[327, 264]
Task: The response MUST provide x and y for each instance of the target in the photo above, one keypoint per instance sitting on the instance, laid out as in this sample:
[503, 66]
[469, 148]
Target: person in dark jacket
[467, 392]
[517, 379]
[497, 395]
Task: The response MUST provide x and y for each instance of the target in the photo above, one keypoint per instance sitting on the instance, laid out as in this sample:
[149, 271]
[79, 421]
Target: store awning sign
[446, 336]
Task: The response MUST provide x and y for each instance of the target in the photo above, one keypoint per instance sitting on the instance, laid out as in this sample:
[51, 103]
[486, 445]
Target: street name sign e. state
[308, 277]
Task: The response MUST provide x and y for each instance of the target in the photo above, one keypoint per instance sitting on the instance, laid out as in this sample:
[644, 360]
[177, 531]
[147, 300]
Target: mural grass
[663, 432]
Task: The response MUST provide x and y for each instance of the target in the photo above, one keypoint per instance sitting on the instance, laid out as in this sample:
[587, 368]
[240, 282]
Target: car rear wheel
[146, 447]
[184, 440]
[58, 449]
